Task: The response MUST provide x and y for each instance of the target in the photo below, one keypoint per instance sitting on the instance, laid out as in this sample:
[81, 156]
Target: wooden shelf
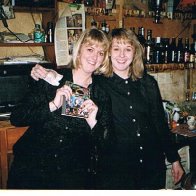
[26, 44]
[33, 9]
[169, 67]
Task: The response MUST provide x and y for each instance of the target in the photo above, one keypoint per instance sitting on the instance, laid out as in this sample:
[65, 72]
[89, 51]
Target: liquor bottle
[180, 51]
[192, 52]
[165, 52]
[173, 51]
[149, 47]
[141, 35]
[50, 32]
[157, 51]
[103, 26]
[88, 2]
[186, 51]
[93, 24]
[107, 28]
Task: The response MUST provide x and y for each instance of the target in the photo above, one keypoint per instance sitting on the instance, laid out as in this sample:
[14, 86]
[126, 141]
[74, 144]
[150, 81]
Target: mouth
[121, 61]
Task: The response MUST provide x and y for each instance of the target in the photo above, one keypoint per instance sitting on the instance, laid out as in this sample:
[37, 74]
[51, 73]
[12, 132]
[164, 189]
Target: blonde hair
[136, 68]
[92, 36]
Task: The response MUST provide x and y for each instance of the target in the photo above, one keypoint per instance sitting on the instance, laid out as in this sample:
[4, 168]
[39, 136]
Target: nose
[95, 55]
[122, 53]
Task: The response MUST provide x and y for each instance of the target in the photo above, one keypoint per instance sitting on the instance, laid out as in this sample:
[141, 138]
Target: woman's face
[121, 56]
[91, 57]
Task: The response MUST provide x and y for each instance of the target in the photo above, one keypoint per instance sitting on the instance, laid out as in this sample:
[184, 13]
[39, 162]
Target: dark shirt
[143, 136]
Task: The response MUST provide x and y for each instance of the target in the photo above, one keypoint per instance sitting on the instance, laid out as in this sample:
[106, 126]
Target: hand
[38, 72]
[64, 91]
[49, 75]
[177, 171]
[89, 105]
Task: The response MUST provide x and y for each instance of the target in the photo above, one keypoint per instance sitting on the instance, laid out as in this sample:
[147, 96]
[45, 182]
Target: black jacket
[58, 152]
[143, 136]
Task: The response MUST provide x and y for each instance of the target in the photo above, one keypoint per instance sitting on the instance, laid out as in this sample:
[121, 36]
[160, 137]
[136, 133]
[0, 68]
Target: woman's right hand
[64, 91]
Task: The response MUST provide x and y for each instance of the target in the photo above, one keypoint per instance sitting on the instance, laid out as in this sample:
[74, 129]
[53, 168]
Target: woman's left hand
[177, 172]
[92, 109]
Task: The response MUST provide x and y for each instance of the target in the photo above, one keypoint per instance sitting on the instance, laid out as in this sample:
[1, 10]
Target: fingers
[38, 72]
[89, 106]
[66, 91]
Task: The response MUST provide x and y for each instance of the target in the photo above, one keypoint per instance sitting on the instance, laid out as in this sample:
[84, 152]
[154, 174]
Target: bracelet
[55, 105]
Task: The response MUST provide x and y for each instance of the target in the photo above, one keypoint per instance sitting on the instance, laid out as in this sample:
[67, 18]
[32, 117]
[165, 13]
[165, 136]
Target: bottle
[103, 26]
[192, 52]
[50, 32]
[186, 51]
[39, 35]
[173, 51]
[88, 2]
[141, 35]
[93, 24]
[149, 47]
[157, 54]
[180, 51]
[165, 52]
[107, 29]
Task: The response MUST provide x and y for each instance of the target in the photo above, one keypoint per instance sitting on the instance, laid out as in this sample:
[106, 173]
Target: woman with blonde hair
[58, 151]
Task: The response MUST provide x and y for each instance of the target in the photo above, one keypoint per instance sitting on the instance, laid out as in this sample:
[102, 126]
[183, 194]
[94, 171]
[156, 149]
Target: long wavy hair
[92, 37]
[136, 68]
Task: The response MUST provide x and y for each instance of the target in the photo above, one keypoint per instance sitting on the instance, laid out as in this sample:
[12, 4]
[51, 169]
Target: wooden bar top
[5, 124]
[183, 129]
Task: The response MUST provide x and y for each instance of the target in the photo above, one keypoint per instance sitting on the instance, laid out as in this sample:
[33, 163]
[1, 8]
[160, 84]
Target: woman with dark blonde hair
[143, 137]
[64, 152]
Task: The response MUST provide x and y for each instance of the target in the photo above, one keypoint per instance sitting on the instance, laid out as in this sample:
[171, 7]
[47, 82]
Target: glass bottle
[88, 2]
[186, 51]
[107, 29]
[39, 35]
[180, 51]
[157, 51]
[165, 51]
[173, 51]
[141, 35]
[93, 24]
[50, 32]
[103, 26]
[192, 52]
[149, 47]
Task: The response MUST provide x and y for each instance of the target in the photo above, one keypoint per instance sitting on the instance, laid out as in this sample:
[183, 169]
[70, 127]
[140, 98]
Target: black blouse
[142, 133]
[58, 151]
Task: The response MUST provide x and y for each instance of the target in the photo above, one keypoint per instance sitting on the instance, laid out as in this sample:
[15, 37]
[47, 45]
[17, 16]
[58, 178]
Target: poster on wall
[68, 29]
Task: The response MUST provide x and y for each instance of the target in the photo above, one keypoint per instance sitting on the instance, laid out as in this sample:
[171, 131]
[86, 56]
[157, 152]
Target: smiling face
[91, 57]
[122, 53]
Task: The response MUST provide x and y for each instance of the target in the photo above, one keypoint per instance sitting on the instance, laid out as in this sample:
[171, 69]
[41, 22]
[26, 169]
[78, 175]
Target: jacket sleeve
[158, 120]
[34, 108]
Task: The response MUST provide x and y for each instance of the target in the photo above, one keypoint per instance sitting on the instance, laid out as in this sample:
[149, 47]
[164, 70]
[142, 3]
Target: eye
[101, 53]
[129, 49]
[115, 49]
[90, 49]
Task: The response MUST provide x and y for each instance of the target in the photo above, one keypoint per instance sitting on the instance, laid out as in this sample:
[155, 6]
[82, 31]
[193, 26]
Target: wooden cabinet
[46, 15]
[8, 137]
